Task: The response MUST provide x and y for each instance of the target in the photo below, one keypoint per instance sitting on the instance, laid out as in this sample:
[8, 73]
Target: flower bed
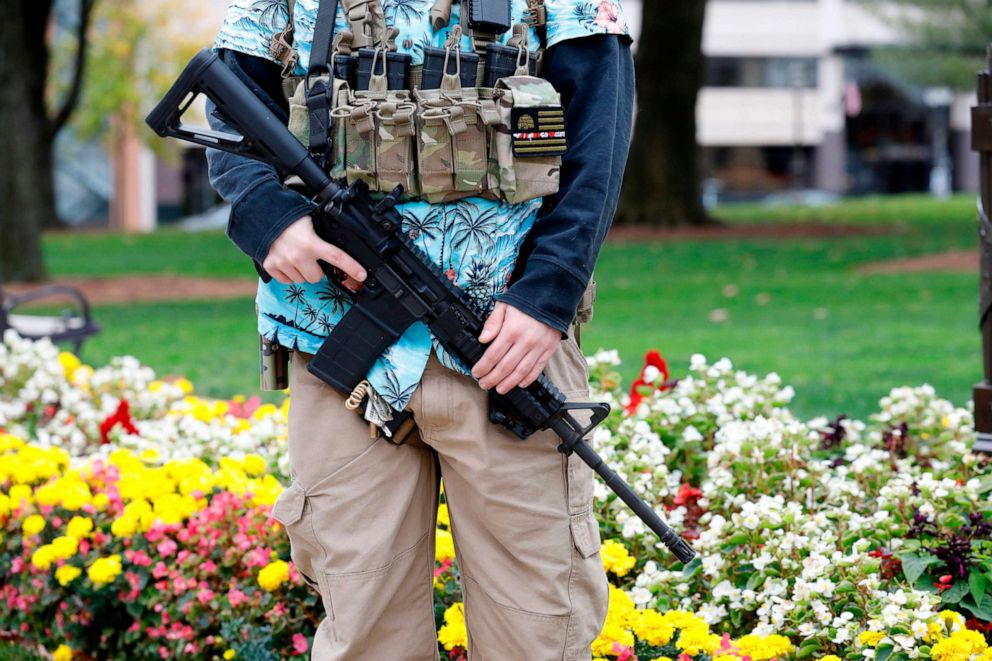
[134, 521]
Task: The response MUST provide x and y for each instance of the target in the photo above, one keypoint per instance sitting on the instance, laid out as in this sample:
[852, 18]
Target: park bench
[72, 325]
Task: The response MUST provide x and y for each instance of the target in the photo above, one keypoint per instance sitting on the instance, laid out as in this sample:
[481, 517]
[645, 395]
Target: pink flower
[300, 644]
[139, 558]
[204, 596]
[208, 567]
[163, 651]
[167, 547]
[236, 597]
[155, 533]
[17, 566]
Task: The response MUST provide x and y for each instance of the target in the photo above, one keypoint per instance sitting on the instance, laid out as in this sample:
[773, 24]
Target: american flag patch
[538, 131]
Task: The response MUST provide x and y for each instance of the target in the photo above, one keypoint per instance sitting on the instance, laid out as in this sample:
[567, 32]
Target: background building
[793, 99]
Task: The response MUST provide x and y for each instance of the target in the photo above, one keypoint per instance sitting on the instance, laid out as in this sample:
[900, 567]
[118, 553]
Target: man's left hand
[520, 346]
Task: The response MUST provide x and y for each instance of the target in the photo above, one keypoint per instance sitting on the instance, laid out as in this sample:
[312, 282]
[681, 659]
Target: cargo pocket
[585, 533]
[529, 141]
[394, 145]
[291, 509]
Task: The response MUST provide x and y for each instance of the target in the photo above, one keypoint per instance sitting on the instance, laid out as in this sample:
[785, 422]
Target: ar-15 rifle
[402, 286]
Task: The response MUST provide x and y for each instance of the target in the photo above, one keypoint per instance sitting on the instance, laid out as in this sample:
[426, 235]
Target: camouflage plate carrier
[503, 142]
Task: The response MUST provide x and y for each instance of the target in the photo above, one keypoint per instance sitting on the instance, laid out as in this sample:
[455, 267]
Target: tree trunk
[27, 132]
[662, 185]
[27, 199]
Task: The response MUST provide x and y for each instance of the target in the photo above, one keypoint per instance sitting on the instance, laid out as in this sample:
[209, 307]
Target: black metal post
[981, 141]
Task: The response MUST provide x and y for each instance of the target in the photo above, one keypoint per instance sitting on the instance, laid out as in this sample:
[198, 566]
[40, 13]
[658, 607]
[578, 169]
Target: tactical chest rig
[459, 124]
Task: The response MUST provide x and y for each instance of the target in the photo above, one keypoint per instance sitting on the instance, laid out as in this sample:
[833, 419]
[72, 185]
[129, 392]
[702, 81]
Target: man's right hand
[293, 257]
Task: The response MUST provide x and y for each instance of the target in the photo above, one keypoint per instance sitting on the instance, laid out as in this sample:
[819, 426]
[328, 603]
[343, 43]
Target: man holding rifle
[361, 512]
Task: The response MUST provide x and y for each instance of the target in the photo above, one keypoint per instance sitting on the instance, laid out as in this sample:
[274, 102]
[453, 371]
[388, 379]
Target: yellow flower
[33, 525]
[79, 527]
[66, 574]
[70, 363]
[19, 494]
[10, 442]
[184, 384]
[617, 628]
[453, 633]
[959, 646]
[444, 548]
[5, 505]
[693, 641]
[830, 657]
[443, 519]
[273, 575]
[253, 464]
[64, 547]
[652, 627]
[43, 557]
[725, 657]
[761, 648]
[870, 638]
[229, 653]
[105, 570]
[62, 653]
[615, 557]
[100, 501]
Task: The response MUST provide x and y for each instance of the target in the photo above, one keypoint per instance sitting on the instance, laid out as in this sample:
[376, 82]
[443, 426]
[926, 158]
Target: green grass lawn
[796, 306]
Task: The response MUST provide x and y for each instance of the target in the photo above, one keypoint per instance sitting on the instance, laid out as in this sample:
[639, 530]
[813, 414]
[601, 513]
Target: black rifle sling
[319, 92]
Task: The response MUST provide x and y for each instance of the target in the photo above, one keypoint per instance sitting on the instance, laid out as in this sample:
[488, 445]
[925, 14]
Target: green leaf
[915, 564]
[737, 540]
[910, 545]
[977, 584]
[954, 594]
[845, 587]
[808, 648]
[694, 567]
[981, 610]
[883, 651]
[754, 581]
[925, 584]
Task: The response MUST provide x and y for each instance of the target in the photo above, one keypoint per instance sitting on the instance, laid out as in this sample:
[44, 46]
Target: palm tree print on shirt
[407, 11]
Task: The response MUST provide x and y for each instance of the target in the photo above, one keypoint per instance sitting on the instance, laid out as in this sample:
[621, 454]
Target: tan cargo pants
[361, 516]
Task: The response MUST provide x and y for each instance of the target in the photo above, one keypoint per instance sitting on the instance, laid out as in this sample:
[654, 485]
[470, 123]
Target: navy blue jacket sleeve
[261, 208]
[595, 77]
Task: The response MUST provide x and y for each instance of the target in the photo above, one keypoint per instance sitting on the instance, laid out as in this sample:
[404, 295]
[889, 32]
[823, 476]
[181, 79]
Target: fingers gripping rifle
[402, 286]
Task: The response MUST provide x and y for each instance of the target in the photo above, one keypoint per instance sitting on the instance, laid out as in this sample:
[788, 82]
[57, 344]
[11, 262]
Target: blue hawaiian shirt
[475, 241]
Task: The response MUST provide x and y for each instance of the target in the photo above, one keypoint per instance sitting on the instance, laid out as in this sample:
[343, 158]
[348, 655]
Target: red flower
[944, 582]
[651, 359]
[688, 495]
[121, 416]
[300, 644]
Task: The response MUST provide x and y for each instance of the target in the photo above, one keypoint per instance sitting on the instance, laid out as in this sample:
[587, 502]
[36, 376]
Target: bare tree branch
[72, 96]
